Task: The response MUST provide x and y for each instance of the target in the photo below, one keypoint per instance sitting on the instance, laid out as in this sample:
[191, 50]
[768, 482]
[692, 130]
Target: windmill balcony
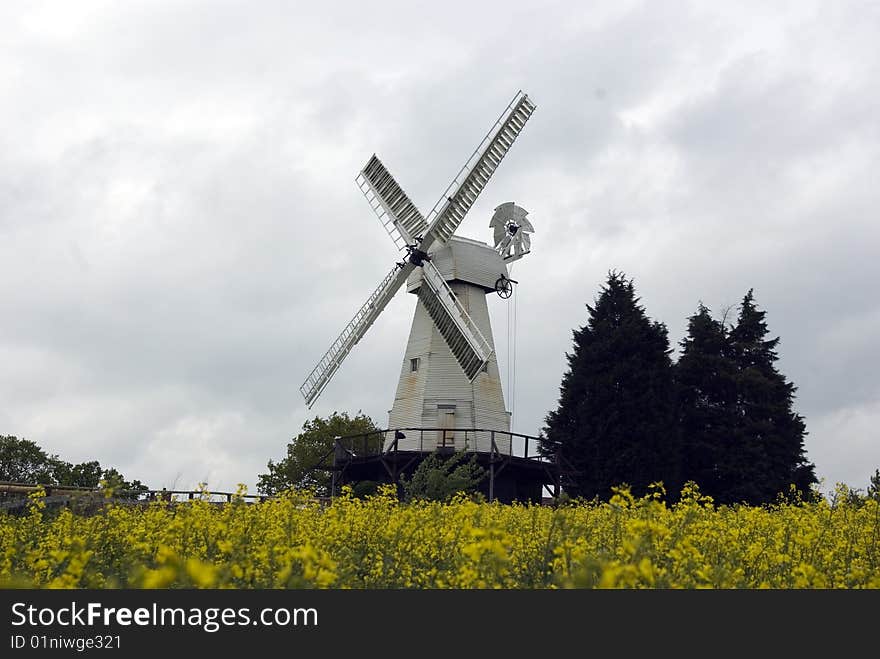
[517, 467]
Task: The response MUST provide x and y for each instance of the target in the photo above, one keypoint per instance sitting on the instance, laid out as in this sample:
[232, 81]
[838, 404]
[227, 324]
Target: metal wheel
[503, 287]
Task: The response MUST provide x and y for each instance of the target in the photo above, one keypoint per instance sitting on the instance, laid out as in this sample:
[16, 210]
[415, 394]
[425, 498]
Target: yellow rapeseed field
[293, 541]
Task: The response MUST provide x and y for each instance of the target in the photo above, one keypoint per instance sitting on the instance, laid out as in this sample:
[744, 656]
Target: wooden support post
[492, 450]
[491, 478]
[557, 481]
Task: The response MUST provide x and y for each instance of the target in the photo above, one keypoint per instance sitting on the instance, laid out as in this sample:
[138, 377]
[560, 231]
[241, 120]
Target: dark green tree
[306, 450]
[769, 434]
[111, 479]
[440, 477]
[615, 422]
[874, 486]
[85, 474]
[713, 452]
[23, 461]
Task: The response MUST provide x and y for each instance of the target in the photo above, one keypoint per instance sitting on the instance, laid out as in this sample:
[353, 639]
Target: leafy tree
[113, 480]
[874, 486]
[364, 489]
[440, 477]
[306, 450]
[85, 474]
[22, 461]
[769, 435]
[615, 419]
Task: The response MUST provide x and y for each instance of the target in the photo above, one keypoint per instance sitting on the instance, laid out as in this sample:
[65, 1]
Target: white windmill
[449, 377]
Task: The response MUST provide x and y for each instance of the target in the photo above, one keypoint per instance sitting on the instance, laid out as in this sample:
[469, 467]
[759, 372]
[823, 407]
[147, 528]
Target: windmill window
[414, 364]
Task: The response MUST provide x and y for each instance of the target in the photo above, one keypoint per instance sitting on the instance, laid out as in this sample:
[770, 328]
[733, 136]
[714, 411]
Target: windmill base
[372, 457]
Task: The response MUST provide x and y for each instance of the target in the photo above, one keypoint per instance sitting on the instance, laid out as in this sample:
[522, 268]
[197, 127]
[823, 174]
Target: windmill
[449, 376]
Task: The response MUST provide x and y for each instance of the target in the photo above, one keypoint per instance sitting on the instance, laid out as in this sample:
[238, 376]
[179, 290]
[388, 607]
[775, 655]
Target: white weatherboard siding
[466, 260]
[426, 397]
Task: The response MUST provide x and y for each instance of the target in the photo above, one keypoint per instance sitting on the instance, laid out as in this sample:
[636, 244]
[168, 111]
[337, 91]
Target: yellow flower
[378, 542]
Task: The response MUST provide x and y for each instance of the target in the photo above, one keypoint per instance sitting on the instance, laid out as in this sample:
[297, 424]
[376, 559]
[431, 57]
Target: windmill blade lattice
[397, 213]
[468, 345]
[353, 332]
[461, 194]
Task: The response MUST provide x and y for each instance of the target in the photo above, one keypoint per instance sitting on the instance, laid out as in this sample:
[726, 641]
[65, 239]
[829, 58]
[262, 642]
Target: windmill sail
[461, 194]
[409, 229]
[353, 332]
[467, 343]
[400, 217]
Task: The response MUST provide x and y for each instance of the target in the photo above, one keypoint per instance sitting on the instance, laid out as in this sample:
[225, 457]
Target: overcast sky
[181, 236]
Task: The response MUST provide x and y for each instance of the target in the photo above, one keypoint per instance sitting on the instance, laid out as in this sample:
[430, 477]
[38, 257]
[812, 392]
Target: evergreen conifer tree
[706, 395]
[615, 420]
[715, 454]
[769, 433]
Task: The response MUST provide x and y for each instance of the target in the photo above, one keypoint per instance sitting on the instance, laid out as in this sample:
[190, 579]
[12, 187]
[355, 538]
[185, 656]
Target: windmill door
[446, 436]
